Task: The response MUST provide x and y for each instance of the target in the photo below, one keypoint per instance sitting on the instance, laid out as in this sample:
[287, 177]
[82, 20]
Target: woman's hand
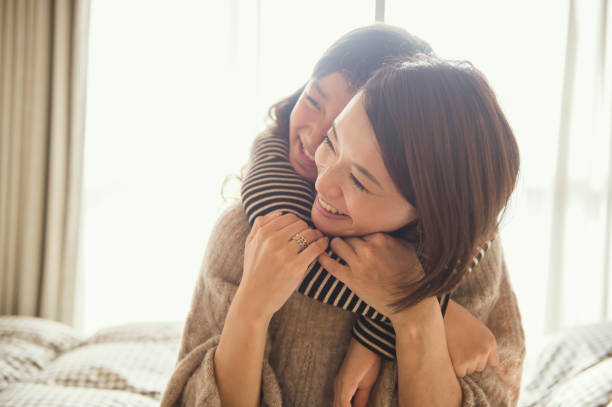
[375, 263]
[470, 343]
[356, 376]
[275, 262]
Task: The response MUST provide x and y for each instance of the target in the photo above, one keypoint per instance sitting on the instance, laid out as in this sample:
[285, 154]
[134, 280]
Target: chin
[306, 173]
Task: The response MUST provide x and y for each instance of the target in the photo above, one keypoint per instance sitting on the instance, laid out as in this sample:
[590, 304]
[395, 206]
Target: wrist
[244, 310]
[417, 317]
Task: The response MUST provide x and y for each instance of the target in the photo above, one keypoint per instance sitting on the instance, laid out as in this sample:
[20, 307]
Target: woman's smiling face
[319, 104]
[355, 193]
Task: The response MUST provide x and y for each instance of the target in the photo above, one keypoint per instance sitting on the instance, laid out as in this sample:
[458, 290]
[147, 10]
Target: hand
[274, 264]
[470, 343]
[356, 376]
[375, 264]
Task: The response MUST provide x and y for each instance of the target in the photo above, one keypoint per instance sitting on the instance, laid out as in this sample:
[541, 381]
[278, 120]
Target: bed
[573, 368]
[46, 363]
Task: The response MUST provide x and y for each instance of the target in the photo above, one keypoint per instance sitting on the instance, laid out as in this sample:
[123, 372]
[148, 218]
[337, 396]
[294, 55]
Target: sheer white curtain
[177, 92]
[546, 60]
[580, 236]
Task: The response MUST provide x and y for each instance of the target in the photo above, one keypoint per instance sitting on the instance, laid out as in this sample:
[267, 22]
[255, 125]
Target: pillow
[50, 334]
[575, 368]
[146, 331]
[29, 344]
[141, 367]
[37, 395]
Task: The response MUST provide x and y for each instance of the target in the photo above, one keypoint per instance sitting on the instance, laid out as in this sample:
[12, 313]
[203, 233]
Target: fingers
[280, 222]
[310, 235]
[312, 251]
[361, 398]
[335, 268]
[264, 220]
[299, 226]
[343, 249]
[260, 221]
[482, 363]
[460, 371]
[342, 398]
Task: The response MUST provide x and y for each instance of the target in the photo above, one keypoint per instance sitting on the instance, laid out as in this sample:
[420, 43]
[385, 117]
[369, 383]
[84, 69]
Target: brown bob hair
[356, 55]
[451, 153]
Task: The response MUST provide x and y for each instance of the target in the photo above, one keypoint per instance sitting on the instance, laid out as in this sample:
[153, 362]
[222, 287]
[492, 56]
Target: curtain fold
[578, 289]
[43, 66]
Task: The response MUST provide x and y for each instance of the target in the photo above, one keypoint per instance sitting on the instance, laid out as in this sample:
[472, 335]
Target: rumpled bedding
[573, 369]
[46, 363]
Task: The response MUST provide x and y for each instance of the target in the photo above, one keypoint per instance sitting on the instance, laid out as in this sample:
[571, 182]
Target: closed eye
[327, 141]
[358, 184]
[313, 102]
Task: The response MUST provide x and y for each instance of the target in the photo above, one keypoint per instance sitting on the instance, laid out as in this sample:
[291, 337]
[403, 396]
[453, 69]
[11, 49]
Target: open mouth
[329, 207]
[309, 156]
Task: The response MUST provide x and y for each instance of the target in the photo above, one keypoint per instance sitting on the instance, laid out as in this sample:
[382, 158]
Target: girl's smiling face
[355, 193]
[319, 104]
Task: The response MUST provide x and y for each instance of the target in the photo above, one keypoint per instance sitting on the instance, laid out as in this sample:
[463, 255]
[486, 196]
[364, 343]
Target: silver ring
[300, 240]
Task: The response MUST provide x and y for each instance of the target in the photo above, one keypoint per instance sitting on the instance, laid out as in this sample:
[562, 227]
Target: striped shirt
[271, 184]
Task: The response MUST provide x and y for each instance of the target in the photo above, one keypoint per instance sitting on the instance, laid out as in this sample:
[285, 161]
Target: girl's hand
[374, 265]
[470, 343]
[356, 376]
[275, 263]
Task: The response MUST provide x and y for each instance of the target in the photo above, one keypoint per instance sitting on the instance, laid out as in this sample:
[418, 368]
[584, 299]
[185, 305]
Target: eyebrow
[361, 169]
[318, 89]
[367, 174]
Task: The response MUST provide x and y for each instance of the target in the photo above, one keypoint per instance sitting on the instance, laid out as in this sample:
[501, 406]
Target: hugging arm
[271, 185]
[486, 292]
[193, 380]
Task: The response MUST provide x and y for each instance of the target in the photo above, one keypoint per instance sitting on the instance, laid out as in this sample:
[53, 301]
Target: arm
[425, 372]
[273, 267]
[487, 294]
[470, 343]
[193, 380]
[239, 356]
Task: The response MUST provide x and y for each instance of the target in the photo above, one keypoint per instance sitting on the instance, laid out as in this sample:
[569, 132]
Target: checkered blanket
[45, 363]
[574, 369]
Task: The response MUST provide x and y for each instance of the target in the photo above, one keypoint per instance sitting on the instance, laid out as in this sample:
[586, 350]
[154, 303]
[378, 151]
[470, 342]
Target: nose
[328, 181]
[313, 138]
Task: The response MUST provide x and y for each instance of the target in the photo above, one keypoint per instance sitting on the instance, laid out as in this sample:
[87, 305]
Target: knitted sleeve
[487, 294]
[193, 381]
[271, 184]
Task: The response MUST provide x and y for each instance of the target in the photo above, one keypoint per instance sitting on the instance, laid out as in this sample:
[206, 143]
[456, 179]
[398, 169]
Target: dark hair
[451, 153]
[356, 55]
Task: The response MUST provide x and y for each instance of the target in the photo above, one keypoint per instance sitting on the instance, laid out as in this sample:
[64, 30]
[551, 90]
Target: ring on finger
[301, 241]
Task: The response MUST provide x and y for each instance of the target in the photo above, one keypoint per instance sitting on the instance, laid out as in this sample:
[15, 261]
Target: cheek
[301, 115]
[296, 117]
[321, 156]
[373, 216]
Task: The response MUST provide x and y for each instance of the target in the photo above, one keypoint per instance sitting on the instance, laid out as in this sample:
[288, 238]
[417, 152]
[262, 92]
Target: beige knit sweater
[307, 339]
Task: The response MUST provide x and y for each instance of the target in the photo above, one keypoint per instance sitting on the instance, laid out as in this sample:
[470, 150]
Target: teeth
[330, 208]
[306, 153]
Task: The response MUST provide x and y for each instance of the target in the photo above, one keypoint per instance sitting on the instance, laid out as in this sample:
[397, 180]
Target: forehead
[354, 124]
[332, 86]
[357, 138]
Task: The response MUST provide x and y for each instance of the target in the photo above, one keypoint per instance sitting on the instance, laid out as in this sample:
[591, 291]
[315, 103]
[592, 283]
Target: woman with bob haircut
[402, 159]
